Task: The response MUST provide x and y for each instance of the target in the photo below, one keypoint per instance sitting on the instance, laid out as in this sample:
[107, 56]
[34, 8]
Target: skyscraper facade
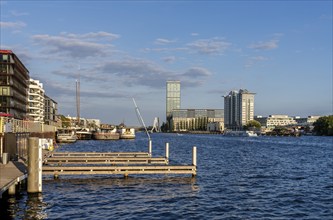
[172, 98]
[238, 108]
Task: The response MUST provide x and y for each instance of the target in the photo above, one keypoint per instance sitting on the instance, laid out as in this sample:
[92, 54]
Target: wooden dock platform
[104, 160]
[11, 174]
[124, 170]
[99, 154]
[91, 163]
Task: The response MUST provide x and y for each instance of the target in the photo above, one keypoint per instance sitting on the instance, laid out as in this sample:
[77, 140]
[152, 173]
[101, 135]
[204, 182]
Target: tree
[324, 126]
[65, 122]
[252, 125]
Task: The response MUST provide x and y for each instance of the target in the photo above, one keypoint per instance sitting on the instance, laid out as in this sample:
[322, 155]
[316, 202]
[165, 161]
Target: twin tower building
[238, 110]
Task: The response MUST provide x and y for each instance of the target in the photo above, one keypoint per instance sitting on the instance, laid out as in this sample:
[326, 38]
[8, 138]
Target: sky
[119, 50]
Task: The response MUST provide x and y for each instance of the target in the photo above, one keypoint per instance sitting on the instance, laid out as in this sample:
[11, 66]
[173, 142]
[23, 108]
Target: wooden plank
[105, 160]
[91, 170]
[47, 168]
[100, 154]
[11, 174]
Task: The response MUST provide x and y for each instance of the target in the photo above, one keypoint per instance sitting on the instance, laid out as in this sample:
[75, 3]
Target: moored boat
[106, 134]
[127, 133]
[66, 136]
[240, 133]
[84, 134]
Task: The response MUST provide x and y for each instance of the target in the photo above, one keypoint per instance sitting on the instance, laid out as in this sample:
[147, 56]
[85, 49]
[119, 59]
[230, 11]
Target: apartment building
[50, 111]
[14, 82]
[35, 107]
[238, 108]
[273, 121]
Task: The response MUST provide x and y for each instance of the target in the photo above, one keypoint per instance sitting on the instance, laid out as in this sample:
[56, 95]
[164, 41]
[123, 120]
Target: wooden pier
[104, 160]
[99, 154]
[124, 170]
[41, 162]
[11, 175]
[93, 163]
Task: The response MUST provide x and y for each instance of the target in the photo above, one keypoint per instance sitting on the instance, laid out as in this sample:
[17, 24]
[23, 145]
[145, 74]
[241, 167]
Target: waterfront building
[51, 111]
[195, 119]
[238, 108]
[35, 107]
[14, 82]
[273, 121]
[306, 121]
[172, 99]
[84, 123]
[215, 126]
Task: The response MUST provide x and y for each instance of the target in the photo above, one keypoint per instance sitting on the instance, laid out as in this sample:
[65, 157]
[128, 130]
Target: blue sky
[281, 50]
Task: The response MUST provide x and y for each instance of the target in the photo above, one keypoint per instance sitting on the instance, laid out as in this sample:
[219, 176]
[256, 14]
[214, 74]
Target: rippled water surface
[238, 178]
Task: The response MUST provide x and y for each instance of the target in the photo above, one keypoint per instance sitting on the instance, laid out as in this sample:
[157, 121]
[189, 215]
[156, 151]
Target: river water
[238, 178]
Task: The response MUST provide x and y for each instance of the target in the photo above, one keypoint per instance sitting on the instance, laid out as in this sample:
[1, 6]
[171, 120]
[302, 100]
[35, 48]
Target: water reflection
[13, 207]
[35, 207]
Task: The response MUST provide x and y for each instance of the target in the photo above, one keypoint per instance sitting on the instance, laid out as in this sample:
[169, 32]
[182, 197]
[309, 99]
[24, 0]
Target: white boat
[126, 133]
[66, 136]
[240, 134]
[84, 134]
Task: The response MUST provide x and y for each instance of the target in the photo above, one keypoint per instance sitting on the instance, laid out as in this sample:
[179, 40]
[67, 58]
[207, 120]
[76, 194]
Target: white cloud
[195, 72]
[265, 45]
[135, 72]
[254, 60]
[163, 41]
[169, 59]
[92, 35]
[74, 45]
[209, 46]
[18, 14]
[8, 24]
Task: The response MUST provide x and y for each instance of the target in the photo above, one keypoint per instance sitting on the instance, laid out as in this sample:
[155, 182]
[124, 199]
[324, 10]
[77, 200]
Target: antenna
[141, 120]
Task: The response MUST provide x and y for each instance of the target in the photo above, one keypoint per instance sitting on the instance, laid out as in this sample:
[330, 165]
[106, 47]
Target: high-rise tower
[172, 98]
[238, 108]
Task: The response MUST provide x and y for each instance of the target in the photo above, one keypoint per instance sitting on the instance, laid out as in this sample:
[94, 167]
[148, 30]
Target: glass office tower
[172, 99]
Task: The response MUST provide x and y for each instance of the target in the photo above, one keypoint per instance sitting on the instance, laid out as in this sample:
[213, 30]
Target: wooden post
[150, 147]
[34, 168]
[194, 156]
[167, 151]
[194, 160]
[12, 190]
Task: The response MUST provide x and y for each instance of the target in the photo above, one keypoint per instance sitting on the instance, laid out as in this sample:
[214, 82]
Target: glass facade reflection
[172, 98]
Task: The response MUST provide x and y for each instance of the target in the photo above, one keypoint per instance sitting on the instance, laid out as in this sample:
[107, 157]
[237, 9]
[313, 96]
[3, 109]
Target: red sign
[2, 114]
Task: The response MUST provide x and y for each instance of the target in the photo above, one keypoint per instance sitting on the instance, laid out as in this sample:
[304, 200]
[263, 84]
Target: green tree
[324, 126]
[164, 127]
[252, 125]
[65, 122]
